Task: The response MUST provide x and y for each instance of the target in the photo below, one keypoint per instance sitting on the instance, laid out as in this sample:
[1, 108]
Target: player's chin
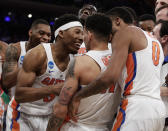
[74, 51]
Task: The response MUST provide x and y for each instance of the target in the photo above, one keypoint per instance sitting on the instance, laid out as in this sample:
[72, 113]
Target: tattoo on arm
[65, 95]
[70, 72]
[54, 123]
[93, 88]
[67, 92]
[10, 59]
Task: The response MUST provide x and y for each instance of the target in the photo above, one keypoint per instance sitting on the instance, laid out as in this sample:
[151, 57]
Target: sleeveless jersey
[52, 76]
[140, 84]
[164, 72]
[82, 49]
[141, 75]
[20, 61]
[97, 110]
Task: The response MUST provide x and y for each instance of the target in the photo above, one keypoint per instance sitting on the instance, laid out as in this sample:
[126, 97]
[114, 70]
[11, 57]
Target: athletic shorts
[72, 126]
[23, 122]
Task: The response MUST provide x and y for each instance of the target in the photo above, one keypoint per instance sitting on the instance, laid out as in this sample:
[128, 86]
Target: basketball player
[135, 63]
[162, 13]
[161, 33]
[84, 12]
[82, 71]
[42, 75]
[39, 32]
[160, 3]
[3, 107]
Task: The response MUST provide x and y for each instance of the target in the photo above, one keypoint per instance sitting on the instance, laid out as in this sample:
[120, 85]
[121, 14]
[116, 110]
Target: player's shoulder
[36, 52]
[85, 63]
[15, 46]
[2, 43]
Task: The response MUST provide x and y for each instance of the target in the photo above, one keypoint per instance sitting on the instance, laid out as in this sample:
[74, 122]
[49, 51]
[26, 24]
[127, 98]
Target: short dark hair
[145, 17]
[100, 25]
[132, 12]
[64, 19]
[163, 28]
[39, 21]
[123, 13]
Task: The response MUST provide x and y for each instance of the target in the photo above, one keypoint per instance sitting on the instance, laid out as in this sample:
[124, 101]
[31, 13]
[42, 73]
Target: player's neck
[29, 46]
[59, 52]
[99, 46]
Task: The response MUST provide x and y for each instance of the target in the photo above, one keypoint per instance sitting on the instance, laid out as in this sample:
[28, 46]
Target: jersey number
[49, 98]
[155, 53]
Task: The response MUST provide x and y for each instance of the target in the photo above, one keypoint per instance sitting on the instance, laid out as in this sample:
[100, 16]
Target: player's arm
[164, 91]
[31, 65]
[68, 90]
[111, 75]
[10, 67]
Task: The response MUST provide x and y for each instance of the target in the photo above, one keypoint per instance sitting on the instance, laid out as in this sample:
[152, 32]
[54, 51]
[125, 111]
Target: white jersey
[82, 49]
[141, 75]
[142, 106]
[52, 76]
[22, 53]
[97, 110]
[20, 61]
[164, 72]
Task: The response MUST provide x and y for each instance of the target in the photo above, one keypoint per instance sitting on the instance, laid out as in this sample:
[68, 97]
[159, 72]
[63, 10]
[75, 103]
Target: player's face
[86, 11]
[156, 32]
[73, 38]
[162, 14]
[40, 33]
[160, 3]
[147, 25]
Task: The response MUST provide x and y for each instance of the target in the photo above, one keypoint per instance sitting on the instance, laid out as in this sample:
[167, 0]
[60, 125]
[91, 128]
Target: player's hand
[163, 91]
[60, 110]
[73, 109]
[57, 88]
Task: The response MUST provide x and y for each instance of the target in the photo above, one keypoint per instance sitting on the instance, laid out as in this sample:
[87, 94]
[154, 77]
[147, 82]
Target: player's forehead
[89, 7]
[161, 1]
[76, 28]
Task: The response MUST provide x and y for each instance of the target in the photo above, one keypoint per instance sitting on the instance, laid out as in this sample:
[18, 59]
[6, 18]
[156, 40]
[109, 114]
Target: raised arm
[68, 90]
[32, 64]
[10, 67]
[111, 75]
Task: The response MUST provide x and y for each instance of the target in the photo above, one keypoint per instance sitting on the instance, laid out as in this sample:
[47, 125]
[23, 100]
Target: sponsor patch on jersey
[21, 59]
[50, 64]
[50, 71]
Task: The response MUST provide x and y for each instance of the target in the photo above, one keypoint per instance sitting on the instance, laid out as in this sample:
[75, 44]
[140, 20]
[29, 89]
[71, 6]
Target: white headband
[67, 26]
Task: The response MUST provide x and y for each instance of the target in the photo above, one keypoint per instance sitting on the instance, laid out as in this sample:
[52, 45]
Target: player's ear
[61, 33]
[90, 35]
[164, 40]
[30, 32]
[117, 21]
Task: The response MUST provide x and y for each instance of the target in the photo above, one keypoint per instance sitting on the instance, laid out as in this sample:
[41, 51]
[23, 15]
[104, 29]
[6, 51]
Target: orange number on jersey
[106, 60]
[49, 98]
[155, 53]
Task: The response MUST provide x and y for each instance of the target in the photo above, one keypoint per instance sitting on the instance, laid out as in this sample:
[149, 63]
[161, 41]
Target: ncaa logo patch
[21, 59]
[50, 64]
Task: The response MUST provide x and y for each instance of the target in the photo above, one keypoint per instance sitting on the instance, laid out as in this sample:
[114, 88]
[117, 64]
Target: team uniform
[141, 108]
[34, 116]
[95, 112]
[82, 49]
[20, 61]
[2, 105]
[164, 72]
